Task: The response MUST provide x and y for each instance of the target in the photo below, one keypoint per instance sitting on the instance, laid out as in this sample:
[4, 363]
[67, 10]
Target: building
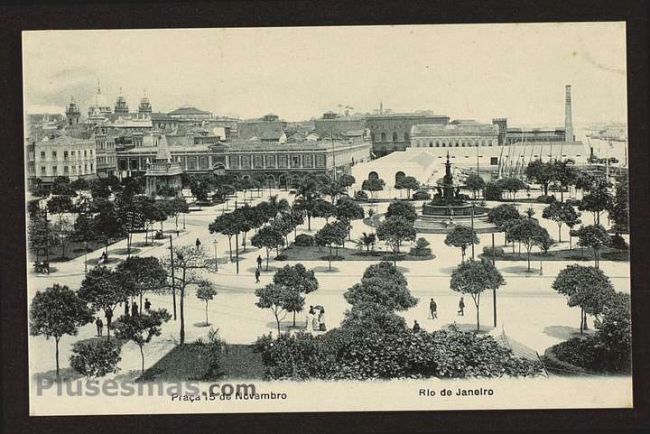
[163, 172]
[121, 106]
[268, 129]
[331, 124]
[189, 113]
[391, 132]
[100, 110]
[277, 164]
[460, 133]
[62, 156]
[145, 105]
[72, 114]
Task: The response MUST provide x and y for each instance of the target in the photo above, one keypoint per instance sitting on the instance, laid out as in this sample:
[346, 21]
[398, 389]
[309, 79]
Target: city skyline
[492, 71]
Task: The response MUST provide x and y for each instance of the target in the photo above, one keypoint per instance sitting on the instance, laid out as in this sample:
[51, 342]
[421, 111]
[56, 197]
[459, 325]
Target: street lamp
[183, 221]
[472, 220]
[216, 262]
[85, 257]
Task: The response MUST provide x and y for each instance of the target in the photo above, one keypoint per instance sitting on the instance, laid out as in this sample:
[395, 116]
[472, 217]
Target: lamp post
[85, 257]
[183, 221]
[216, 262]
[472, 220]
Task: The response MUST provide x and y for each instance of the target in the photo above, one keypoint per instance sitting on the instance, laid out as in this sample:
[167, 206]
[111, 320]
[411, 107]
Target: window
[394, 137]
[72, 153]
[85, 168]
[65, 170]
[54, 169]
[494, 161]
[308, 161]
[295, 161]
[53, 154]
[320, 160]
[383, 137]
[245, 162]
[258, 161]
[42, 154]
[233, 162]
[65, 155]
[91, 167]
[42, 170]
[270, 161]
[85, 155]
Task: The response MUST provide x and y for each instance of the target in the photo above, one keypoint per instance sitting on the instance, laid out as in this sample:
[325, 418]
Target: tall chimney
[568, 123]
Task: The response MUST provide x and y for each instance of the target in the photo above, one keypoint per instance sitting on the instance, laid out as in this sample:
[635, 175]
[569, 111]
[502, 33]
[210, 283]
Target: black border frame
[16, 17]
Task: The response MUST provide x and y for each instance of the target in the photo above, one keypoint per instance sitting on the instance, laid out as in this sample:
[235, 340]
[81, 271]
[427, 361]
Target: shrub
[572, 202]
[498, 252]
[281, 257]
[492, 191]
[545, 199]
[369, 352]
[361, 195]
[421, 195]
[421, 248]
[618, 242]
[95, 358]
[304, 240]
[212, 350]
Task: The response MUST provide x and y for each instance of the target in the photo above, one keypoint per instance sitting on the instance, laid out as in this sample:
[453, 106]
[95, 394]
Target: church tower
[145, 105]
[72, 113]
[121, 106]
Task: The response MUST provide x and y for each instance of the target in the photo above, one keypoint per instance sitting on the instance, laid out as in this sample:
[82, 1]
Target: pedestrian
[147, 305]
[108, 313]
[100, 326]
[259, 262]
[134, 309]
[257, 275]
[198, 243]
[433, 308]
[321, 320]
[178, 233]
[461, 307]
[416, 326]
[314, 319]
[310, 317]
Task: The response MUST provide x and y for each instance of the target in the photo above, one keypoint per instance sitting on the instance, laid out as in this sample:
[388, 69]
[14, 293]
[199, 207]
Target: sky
[477, 72]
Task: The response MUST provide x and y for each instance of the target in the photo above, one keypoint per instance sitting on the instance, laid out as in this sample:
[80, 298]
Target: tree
[331, 234]
[474, 277]
[178, 206]
[461, 236]
[41, 235]
[347, 181]
[80, 184]
[595, 237]
[184, 270]
[381, 292]
[348, 210]
[139, 275]
[99, 190]
[403, 209]
[270, 238]
[225, 224]
[206, 292]
[512, 185]
[307, 192]
[394, 231]
[63, 230]
[368, 241]
[615, 330]
[55, 312]
[84, 228]
[407, 183]
[333, 189]
[492, 191]
[108, 224]
[373, 185]
[280, 300]
[475, 183]
[103, 290]
[619, 211]
[283, 223]
[298, 278]
[140, 329]
[541, 173]
[528, 232]
[561, 212]
[597, 200]
[502, 214]
[324, 209]
[59, 205]
[587, 287]
[95, 358]
[564, 174]
[245, 218]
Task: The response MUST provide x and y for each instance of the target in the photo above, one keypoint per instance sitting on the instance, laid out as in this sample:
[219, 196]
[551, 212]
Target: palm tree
[307, 193]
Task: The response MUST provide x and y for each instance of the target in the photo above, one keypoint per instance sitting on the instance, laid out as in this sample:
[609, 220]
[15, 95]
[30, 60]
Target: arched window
[394, 137]
[406, 137]
[383, 137]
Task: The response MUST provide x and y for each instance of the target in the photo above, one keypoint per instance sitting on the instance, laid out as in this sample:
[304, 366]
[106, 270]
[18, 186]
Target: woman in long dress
[314, 320]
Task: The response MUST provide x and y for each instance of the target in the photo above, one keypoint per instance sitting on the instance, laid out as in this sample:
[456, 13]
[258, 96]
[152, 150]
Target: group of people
[108, 313]
[316, 319]
[433, 312]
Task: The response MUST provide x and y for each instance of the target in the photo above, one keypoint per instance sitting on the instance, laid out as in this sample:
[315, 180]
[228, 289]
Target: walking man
[100, 326]
[259, 262]
[461, 307]
[257, 275]
[198, 244]
[433, 308]
[147, 305]
[134, 309]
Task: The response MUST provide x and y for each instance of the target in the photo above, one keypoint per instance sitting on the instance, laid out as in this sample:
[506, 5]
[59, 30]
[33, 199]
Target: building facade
[63, 156]
[392, 132]
[456, 134]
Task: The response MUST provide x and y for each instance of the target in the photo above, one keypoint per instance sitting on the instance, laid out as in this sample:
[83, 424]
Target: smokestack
[568, 123]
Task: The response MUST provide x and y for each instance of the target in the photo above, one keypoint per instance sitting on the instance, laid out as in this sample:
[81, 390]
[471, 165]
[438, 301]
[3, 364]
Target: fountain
[450, 208]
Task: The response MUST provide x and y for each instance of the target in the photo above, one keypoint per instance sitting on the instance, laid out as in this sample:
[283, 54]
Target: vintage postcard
[305, 219]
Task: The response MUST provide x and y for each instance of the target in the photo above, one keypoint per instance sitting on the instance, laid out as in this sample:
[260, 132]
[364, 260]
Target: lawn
[295, 253]
[189, 363]
[607, 254]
